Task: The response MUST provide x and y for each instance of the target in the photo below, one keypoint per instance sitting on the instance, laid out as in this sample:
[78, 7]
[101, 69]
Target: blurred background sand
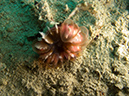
[103, 68]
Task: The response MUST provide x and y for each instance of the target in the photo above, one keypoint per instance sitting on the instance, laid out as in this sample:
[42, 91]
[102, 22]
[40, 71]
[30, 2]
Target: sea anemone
[61, 43]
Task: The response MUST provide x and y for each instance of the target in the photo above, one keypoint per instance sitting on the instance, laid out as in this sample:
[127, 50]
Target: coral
[60, 43]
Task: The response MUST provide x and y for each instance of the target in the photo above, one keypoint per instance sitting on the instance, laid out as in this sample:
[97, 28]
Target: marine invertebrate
[60, 43]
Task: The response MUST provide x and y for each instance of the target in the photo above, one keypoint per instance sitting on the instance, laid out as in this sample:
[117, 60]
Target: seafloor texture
[103, 68]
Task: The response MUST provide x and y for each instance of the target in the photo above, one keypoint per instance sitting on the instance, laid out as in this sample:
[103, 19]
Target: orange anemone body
[61, 43]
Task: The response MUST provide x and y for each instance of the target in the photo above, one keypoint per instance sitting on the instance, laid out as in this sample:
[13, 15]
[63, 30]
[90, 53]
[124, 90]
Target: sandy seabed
[102, 69]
